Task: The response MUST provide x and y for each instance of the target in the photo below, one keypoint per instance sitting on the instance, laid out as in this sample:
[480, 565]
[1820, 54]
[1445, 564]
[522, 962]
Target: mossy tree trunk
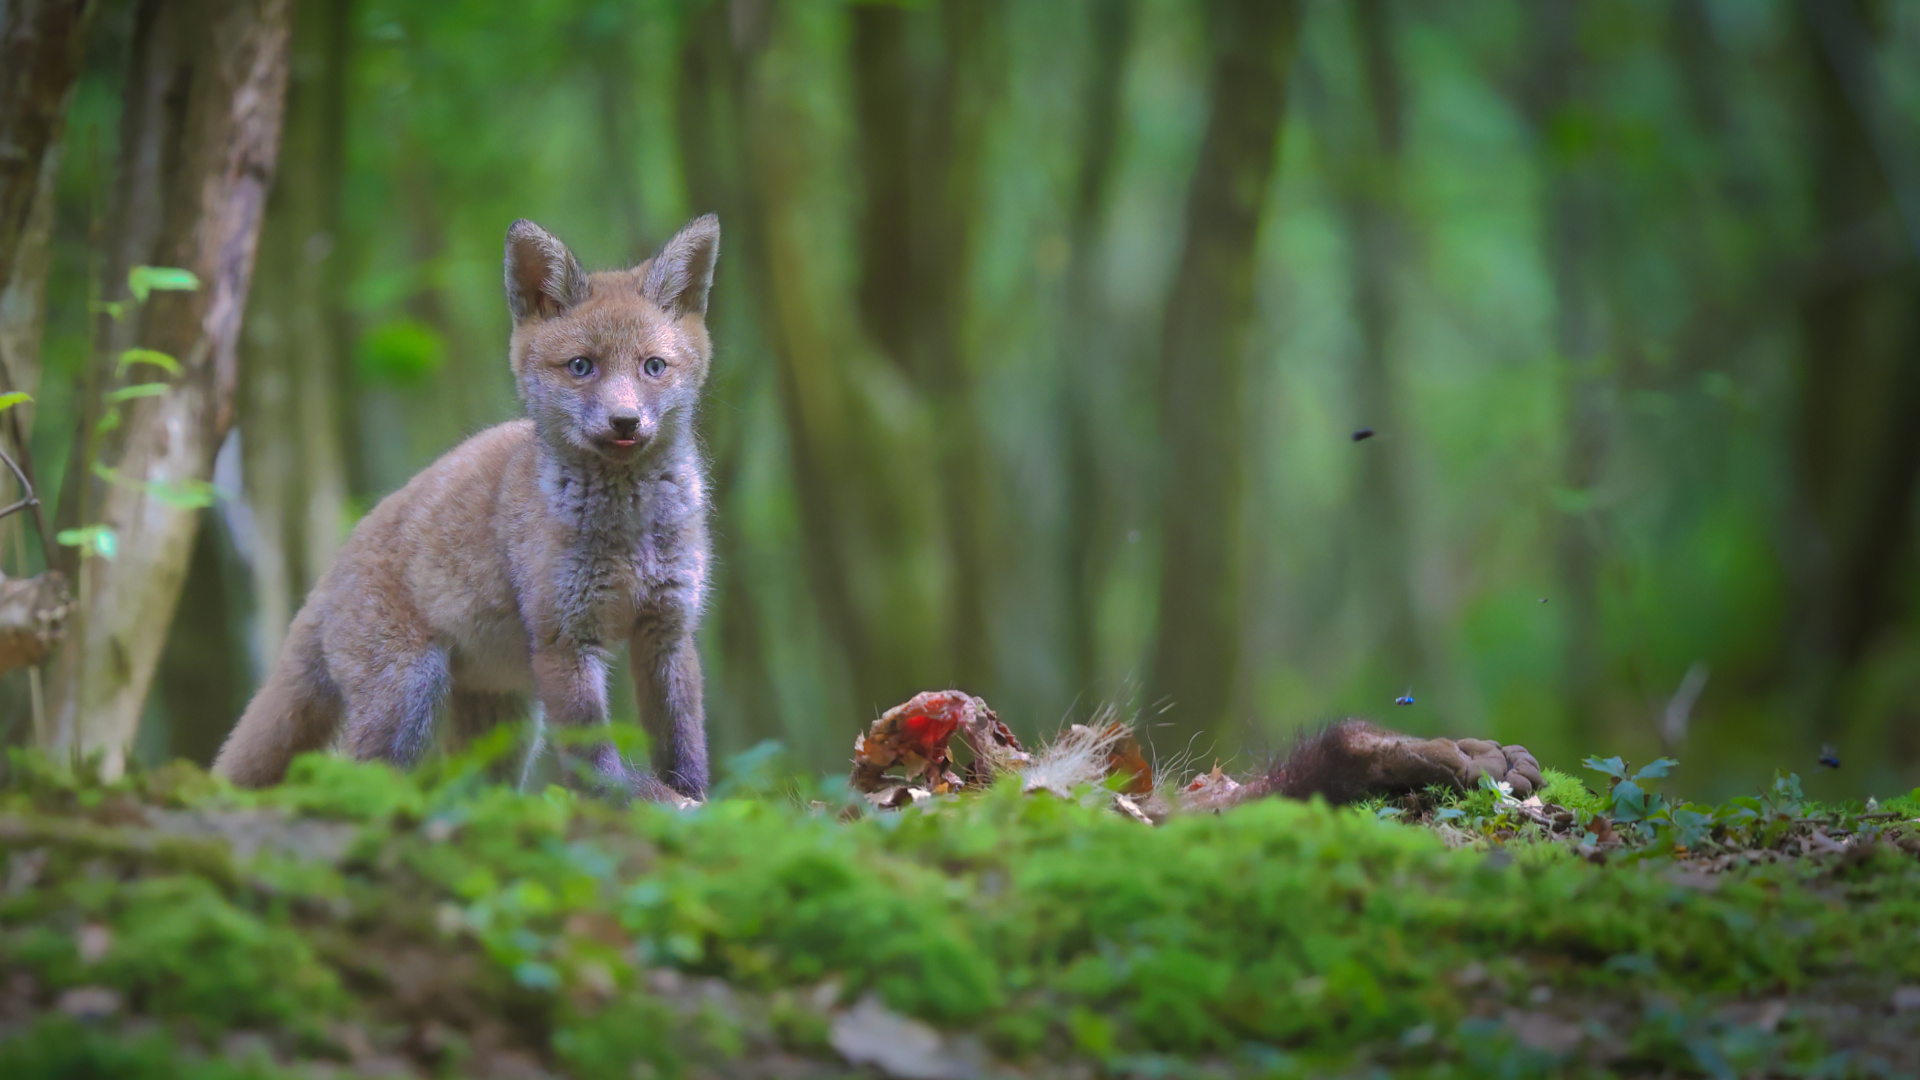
[1204, 364]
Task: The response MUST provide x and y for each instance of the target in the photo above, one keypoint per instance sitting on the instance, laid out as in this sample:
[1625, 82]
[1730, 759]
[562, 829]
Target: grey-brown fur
[518, 562]
[1353, 759]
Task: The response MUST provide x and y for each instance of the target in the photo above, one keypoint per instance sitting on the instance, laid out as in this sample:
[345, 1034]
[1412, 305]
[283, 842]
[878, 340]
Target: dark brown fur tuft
[1349, 760]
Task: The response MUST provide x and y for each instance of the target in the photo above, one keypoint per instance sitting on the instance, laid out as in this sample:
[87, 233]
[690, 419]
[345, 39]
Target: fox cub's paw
[1513, 765]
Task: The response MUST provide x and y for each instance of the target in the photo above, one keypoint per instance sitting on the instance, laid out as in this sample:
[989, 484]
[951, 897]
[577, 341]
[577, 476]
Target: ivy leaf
[149, 356]
[137, 390]
[142, 280]
[1656, 768]
[14, 397]
[1612, 766]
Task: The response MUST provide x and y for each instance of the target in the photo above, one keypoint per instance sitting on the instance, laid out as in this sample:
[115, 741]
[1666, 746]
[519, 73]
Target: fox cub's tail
[298, 709]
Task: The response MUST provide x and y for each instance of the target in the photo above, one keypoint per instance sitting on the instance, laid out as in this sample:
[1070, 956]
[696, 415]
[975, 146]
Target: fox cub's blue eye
[580, 366]
[654, 366]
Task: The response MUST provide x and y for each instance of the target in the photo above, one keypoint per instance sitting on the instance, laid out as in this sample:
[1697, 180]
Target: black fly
[1363, 434]
[1829, 756]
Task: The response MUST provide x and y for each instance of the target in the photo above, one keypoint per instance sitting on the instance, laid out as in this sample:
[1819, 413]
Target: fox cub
[517, 562]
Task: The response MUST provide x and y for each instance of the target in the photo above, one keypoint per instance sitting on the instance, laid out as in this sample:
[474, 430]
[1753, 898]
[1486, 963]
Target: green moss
[1046, 927]
[1569, 791]
[60, 1048]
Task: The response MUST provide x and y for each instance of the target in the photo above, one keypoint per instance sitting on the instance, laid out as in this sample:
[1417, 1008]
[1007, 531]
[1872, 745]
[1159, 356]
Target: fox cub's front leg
[666, 683]
[571, 683]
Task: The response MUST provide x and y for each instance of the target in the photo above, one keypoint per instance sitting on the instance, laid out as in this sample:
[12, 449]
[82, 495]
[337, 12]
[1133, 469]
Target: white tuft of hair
[1078, 757]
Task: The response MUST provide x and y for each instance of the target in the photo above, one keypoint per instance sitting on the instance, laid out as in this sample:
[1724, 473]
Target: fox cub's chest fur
[637, 561]
[523, 558]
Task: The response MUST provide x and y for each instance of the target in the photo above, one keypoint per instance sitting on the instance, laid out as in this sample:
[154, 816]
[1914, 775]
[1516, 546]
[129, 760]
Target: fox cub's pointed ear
[679, 277]
[543, 277]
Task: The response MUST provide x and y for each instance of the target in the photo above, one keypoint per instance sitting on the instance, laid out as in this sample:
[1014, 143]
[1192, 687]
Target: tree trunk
[1209, 313]
[1858, 446]
[1570, 220]
[42, 45]
[200, 132]
[925, 124]
[858, 469]
[292, 460]
[1088, 354]
[1377, 228]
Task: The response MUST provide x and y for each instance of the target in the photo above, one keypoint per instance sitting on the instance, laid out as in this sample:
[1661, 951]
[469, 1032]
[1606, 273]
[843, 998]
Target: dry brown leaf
[1125, 759]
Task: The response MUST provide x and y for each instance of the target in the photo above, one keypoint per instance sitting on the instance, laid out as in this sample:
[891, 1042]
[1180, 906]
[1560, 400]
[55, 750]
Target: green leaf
[1656, 769]
[149, 356]
[1612, 766]
[1787, 795]
[100, 539]
[137, 390]
[142, 280]
[108, 421]
[13, 397]
[1690, 826]
[1629, 802]
[184, 494]
[181, 494]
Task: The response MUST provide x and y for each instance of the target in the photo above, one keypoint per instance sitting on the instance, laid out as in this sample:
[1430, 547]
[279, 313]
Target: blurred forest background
[1044, 333]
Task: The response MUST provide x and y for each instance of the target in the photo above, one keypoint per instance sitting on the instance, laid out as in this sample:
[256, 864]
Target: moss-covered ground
[360, 922]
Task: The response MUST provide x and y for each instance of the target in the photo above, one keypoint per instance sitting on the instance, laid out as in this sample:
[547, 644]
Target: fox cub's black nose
[625, 426]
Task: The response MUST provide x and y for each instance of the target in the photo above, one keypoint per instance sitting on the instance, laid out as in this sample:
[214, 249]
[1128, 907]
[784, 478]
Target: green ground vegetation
[442, 924]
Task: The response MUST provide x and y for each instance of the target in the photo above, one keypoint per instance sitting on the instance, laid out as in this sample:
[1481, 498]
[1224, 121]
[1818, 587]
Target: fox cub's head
[611, 364]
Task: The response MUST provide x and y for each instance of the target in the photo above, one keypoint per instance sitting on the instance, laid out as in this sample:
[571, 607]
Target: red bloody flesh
[931, 719]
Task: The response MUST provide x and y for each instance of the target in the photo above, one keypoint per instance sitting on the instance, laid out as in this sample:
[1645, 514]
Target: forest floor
[355, 921]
